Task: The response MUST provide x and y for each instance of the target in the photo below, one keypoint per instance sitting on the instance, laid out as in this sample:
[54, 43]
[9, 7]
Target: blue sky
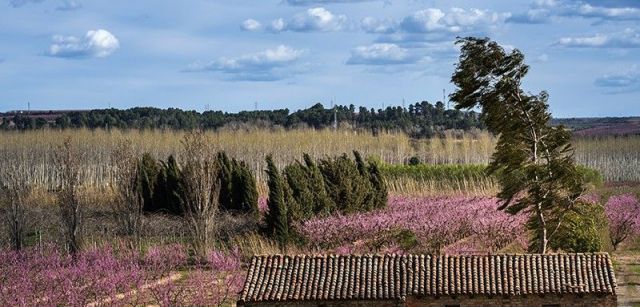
[227, 55]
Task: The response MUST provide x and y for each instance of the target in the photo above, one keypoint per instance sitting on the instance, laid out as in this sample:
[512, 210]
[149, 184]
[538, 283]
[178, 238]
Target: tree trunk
[543, 240]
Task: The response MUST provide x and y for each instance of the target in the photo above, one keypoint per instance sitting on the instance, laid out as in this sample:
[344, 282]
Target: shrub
[414, 161]
[580, 232]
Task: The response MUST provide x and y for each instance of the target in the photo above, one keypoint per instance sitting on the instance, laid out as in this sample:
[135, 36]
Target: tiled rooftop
[379, 277]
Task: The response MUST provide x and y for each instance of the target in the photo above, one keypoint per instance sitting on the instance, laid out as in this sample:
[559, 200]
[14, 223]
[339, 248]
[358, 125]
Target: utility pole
[443, 99]
[335, 116]
[255, 106]
[28, 107]
[403, 103]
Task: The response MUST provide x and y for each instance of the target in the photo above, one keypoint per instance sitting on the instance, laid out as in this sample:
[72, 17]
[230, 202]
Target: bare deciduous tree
[200, 176]
[67, 159]
[128, 205]
[14, 194]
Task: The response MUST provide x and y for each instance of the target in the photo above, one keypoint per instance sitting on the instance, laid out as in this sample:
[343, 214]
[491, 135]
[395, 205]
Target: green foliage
[414, 161]
[463, 172]
[379, 186]
[444, 172]
[590, 176]
[350, 190]
[162, 186]
[308, 189]
[149, 170]
[533, 161]
[226, 182]
[324, 205]
[581, 230]
[277, 218]
[421, 119]
[169, 189]
[244, 189]
[299, 184]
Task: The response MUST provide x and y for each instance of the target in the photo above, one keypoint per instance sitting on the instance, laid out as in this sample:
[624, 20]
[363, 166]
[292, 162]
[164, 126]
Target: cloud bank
[268, 65]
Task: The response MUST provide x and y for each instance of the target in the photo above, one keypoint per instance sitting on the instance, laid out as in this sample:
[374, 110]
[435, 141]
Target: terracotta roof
[379, 277]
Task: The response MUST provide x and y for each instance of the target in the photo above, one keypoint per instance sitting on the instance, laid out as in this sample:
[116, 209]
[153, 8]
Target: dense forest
[421, 119]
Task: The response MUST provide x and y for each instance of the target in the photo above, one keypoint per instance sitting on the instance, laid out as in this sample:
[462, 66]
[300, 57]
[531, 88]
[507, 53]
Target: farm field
[440, 201]
[112, 273]
[616, 158]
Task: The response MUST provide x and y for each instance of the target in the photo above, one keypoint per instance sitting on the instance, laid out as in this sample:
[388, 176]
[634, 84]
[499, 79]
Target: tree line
[421, 119]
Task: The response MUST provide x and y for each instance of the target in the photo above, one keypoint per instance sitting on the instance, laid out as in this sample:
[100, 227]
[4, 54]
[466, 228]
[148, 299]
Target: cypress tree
[149, 170]
[168, 193]
[244, 189]
[323, 203]
[378, 184]
[226, 181]
[277, 217]
[344, 184]
[370, 193]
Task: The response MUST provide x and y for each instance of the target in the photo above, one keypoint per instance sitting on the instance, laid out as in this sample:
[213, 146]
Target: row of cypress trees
[316, 188]
[162, 186]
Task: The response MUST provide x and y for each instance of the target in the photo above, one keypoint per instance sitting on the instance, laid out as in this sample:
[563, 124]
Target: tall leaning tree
[533, 161]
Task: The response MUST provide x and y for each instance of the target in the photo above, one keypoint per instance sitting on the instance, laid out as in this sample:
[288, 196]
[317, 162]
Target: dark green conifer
[277, 218]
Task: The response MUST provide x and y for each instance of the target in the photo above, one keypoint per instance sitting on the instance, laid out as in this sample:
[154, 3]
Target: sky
[237, 55]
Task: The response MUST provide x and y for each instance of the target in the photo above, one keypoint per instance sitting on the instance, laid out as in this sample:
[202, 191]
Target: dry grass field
[617, 158]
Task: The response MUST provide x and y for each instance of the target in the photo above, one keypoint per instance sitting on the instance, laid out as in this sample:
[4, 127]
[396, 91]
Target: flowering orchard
[104, 276]
[623, 213]
[451, 225]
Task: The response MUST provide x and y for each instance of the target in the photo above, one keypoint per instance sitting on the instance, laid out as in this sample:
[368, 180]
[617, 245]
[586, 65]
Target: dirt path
[628, 277]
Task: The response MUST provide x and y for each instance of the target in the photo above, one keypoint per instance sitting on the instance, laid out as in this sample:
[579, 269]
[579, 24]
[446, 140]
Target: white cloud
[96, 43]
[251, 25]
[314, 19]
[544, 11]
[629, 38]
[380, 26]
[455, 21]
[267, 65]
[381, 54]
[628, 81]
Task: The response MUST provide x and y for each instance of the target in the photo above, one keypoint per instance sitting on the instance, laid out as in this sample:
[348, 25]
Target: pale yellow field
[618, 159]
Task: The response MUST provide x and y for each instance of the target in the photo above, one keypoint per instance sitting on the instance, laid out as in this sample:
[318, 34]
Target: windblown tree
[533, 161]
[127, 184]
[201, 190]
[68, 162]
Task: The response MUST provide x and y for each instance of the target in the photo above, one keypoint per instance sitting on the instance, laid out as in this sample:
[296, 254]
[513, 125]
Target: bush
[581, 231]
[414, 161]
[350, 185]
